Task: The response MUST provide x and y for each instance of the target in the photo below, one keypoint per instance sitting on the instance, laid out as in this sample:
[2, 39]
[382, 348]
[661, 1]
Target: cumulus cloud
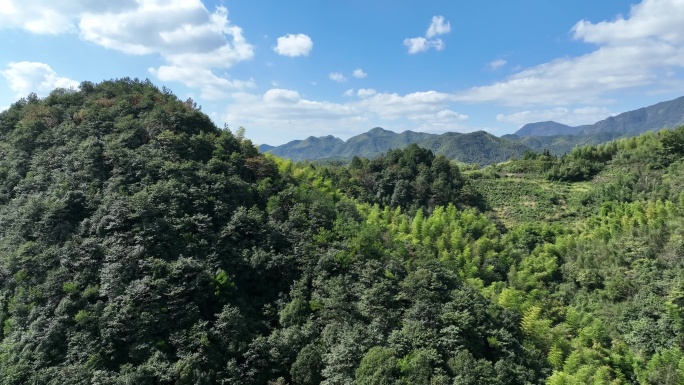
[366, 92]
[496, 64]
[572, 117]
[395, 106]
[212, 87]
[419, 44]
[644, 49]
[52, 17]
[651, 19]
[279, 95]
[442, 116]
[416, 44]
[26, 77]
[348, 93]
[439, 26]
[294, 45]
[338, 77]
[440, 121]
[359, 74]
[285, 113]
[183, 33]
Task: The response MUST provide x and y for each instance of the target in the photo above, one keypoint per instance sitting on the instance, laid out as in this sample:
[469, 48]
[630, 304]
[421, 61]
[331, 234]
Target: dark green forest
[141, 244]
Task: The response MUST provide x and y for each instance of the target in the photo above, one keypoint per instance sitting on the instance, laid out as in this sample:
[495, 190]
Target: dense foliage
[139, 243]
[410, 178]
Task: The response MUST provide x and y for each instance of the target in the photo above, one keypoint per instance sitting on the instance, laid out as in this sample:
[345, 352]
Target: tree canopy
[140, 243]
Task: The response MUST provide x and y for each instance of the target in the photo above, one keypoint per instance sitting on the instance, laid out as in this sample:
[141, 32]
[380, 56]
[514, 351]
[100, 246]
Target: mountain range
[483, 148]
[476, 147]
[655, 117]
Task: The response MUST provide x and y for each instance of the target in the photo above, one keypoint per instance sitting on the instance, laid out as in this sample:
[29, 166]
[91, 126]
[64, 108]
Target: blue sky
[286, 70]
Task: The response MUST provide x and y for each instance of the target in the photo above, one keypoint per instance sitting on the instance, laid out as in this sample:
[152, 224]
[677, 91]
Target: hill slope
[667, 114]
[140, 244]
[562, 144]
[590, 252]
[309, 148]
[548, 128]
[477, 147]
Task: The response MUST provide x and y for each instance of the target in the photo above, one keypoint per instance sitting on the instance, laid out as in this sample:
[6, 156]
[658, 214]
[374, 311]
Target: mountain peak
[378, 131]
[547, 128]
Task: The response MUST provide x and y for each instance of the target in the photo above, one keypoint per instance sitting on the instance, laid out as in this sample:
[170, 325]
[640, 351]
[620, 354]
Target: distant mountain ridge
[476, 147]
[548, 128]
[483, 148]
[669, 114]
[309, 148]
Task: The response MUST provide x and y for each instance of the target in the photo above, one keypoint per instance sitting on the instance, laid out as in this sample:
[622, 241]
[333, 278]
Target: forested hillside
[141, 244]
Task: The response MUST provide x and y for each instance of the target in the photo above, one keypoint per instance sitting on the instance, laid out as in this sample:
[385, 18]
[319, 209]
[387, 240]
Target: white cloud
[279, 95]
[448, 114]
[285, 113]
[294, 45]
[442, 116]
[338, 77]
[395, 106]
[651, 19]
[439, 26]
[212, 87]
[641, 50]
[421, 44]
[441, 121]
[52, 17]
[496, 64]
[182, 32]
[359, 74]
[416, 44]
[572, 117]
[26, 77]
[348, 93]
[3, 108]
[366, 92]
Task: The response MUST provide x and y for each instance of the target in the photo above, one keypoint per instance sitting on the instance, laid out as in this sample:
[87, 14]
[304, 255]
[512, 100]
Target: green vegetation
[562, 144]
[141, 244]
